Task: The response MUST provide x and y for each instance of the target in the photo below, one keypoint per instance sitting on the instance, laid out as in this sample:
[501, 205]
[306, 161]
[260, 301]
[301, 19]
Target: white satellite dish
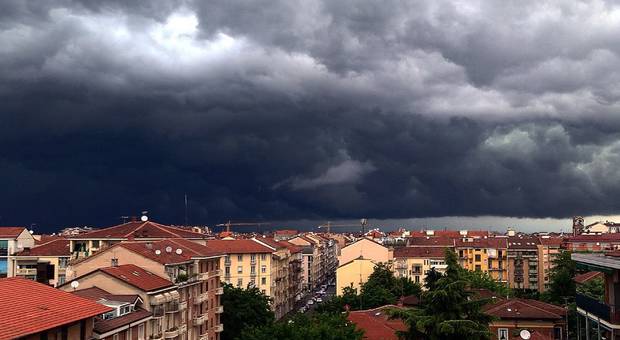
[179, 251]
[168, 249]
[525, 334]
[157, 252]
[144, 218]
[75, 284]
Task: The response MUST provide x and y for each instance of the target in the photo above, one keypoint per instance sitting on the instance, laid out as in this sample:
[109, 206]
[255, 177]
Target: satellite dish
[168, 249]
[525, 334]
[144, 218]
[179, 251]
[75, 284]
[31, 231]
[157, 252]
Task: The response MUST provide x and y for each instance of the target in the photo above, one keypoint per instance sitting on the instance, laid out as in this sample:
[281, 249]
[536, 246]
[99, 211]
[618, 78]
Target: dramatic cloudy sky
[307, 109]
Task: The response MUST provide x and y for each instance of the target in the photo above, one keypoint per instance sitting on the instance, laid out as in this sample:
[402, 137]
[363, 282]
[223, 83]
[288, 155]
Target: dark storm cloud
[307, 109]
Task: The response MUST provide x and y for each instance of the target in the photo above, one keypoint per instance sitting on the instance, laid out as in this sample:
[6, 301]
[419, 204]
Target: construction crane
[329, 225]
[229, 224]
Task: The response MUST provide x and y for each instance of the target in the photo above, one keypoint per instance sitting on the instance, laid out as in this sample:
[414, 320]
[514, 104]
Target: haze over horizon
[309, 110]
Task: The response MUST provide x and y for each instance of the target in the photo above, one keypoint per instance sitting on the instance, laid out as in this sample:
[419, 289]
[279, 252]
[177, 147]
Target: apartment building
[592, 242]
[312, 258]
[489, 255]
[357, 261]
[12, 240]
[550, 247]
[33, 311]
[523, 262]
[415, 262]
[541, 320]
[86, 244]
[354, 274]
[128, 318]
[46, 262]
[193, 268]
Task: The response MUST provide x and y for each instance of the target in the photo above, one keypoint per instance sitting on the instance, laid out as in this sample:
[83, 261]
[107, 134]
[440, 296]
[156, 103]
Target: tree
[430, 281]
[329, 326]
[480, 280]
[561, 284]
[447, 312]
[594, 288]
[243, 309]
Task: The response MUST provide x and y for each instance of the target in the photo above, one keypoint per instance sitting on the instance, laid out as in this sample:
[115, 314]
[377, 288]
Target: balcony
[203, 276]
[219, 328]
[204, 336]
[201, 298]
[171, 333]
[182, 329]
[401, 266]
[215, 273]
[601, 310]
[27, 271]
[156, 337]
[158, 312]
[219, 291]
[219, 309]
[199, 320]
[172, 307]
[183, 305]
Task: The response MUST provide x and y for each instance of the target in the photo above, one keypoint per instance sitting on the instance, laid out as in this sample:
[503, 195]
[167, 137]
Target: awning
[168, 297]
[158, 299]
[175, 295]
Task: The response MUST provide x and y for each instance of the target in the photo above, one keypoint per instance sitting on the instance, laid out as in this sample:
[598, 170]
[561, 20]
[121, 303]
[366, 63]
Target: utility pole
[186, 210]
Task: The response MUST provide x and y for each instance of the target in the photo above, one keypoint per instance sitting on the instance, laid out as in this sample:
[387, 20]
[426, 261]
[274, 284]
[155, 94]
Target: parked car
[310, 302]
[319, 300]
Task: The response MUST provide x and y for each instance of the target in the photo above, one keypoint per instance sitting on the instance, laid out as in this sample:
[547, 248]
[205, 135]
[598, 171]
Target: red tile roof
[238, 246]
[426, 252]
[524, 309]
[552, 241]
[585, 277]
[139, 230]
[96, 294]
[57, 247]
[430, 241]
[492, 242]
[137, 277]
[523, 242]
[376, 324]
[28, 307]
[168, 250]
[10, 232]
[292, 247]
[613, 237]
[105, 326]
[286, 232]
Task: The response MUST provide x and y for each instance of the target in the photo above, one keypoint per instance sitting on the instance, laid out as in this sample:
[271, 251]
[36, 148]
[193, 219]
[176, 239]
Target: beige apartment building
[13, 240]
[489, 255]
[353, 274]
[46, 262]
[311, 262]
[356, 259]
[415, 262]
[193, 268]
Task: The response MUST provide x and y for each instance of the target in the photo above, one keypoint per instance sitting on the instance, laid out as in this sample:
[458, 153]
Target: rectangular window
[114, 263]
[61, 279]
[4, 248]
[263, 257]
[253, 270]
[96, 244]
[478, 268]
[252, 283]
[227, 259]
[417, 279]
[263, 269]
[227, 270]
[240, 258]
[263, 281]
[3, 268]
[478, 259]
[239, 282]
[141, 332]
[239, 269]
[502, 334]
[253, 257]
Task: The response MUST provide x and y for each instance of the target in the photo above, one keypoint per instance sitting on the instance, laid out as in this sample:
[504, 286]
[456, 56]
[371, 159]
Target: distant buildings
[357, 261]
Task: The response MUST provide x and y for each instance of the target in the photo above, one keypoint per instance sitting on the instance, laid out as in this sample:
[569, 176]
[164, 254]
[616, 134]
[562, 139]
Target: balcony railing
[219, 309]
[219, 328]
[203, 276]
[182, 329]
[171, 333]
[215, 273]
[201, 298]
[219, 291]
[26, 271]
[156, 336]
[183, 305]
[597, 308]
[199, 320]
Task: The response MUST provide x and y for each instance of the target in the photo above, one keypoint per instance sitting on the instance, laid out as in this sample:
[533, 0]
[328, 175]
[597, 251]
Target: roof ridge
[138, 228]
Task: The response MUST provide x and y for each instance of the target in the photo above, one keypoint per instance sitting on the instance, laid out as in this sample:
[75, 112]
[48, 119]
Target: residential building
[86, 244]
[365, 248]
[12, 240]
[523, 262]
[33, 311]
[354, 274]
[46, 262]
[193, 268]
[282, 302]
[488, 255]
[127, 320]
[537, 319]
[428, 241]
[595, 315]
[284, 234]
[415, 262]
[548, 250]
[311, 261]
[592, 242]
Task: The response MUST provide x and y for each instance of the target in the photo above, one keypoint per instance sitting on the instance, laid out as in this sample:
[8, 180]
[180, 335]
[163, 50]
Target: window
[4, 248]
[96, 244]
[227, 259]
[240, 258]
[417, 279]
[460, 253]
[227, 270]
[239, 282]
[263, 269]
[253, 258]
[502, 334]
[478, 267]
[115, 337]
[239, 269]
[252, 282]
[141, 331]
[478, 259]
[61, 279]
[253, 270]
[263, 257]
[114, 263]
[3, 268]
[263, 281]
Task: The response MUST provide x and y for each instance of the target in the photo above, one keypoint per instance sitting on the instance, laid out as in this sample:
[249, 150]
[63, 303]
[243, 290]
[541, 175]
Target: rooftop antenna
[124, 218]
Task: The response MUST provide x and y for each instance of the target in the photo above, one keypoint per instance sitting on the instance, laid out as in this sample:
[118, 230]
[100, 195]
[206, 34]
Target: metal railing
[594, 306]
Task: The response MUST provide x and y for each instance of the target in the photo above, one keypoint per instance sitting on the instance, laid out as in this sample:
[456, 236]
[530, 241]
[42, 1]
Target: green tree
[561, 284]
[244, 308]
[448, 312]
[329, 326]
[430, 281]
[478, 279]
[594, 288]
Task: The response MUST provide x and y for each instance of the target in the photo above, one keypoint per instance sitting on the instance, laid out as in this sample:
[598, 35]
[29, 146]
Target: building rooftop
[425, 252]
[139, 229]
[525, 309]
[28, 307]
[55, 247]
[10, 232]
[376, 324]
[585, 277]
[238, 246]
[517, 242]
[430, 241]
[97, 294]
[491, 242]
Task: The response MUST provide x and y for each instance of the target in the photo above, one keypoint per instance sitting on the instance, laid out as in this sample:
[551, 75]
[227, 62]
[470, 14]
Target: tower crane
[329, 225]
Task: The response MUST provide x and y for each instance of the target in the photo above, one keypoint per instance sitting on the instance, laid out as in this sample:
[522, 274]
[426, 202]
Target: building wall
[353, 274]
[18, 262]
[72, 330]
[544, 328]
[416, 268]
[366, 249]
[104, 259]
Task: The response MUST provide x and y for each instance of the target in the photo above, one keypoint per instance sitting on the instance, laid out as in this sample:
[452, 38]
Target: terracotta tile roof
[524, 309]
[189, 250]
[585, 277]
[139, 229]
[430, 241]
[613, 237]
[10, 232]
[96, 294]
[523, 242]
[57, 247]
[104, 326]
[28, 307]
[292, 247]
[270, 242]
[492, 242]
[425, 252]
[238, 246]
[137, 277]
[552, 241]
[376, 324]
[46, 238]
[286, 232]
